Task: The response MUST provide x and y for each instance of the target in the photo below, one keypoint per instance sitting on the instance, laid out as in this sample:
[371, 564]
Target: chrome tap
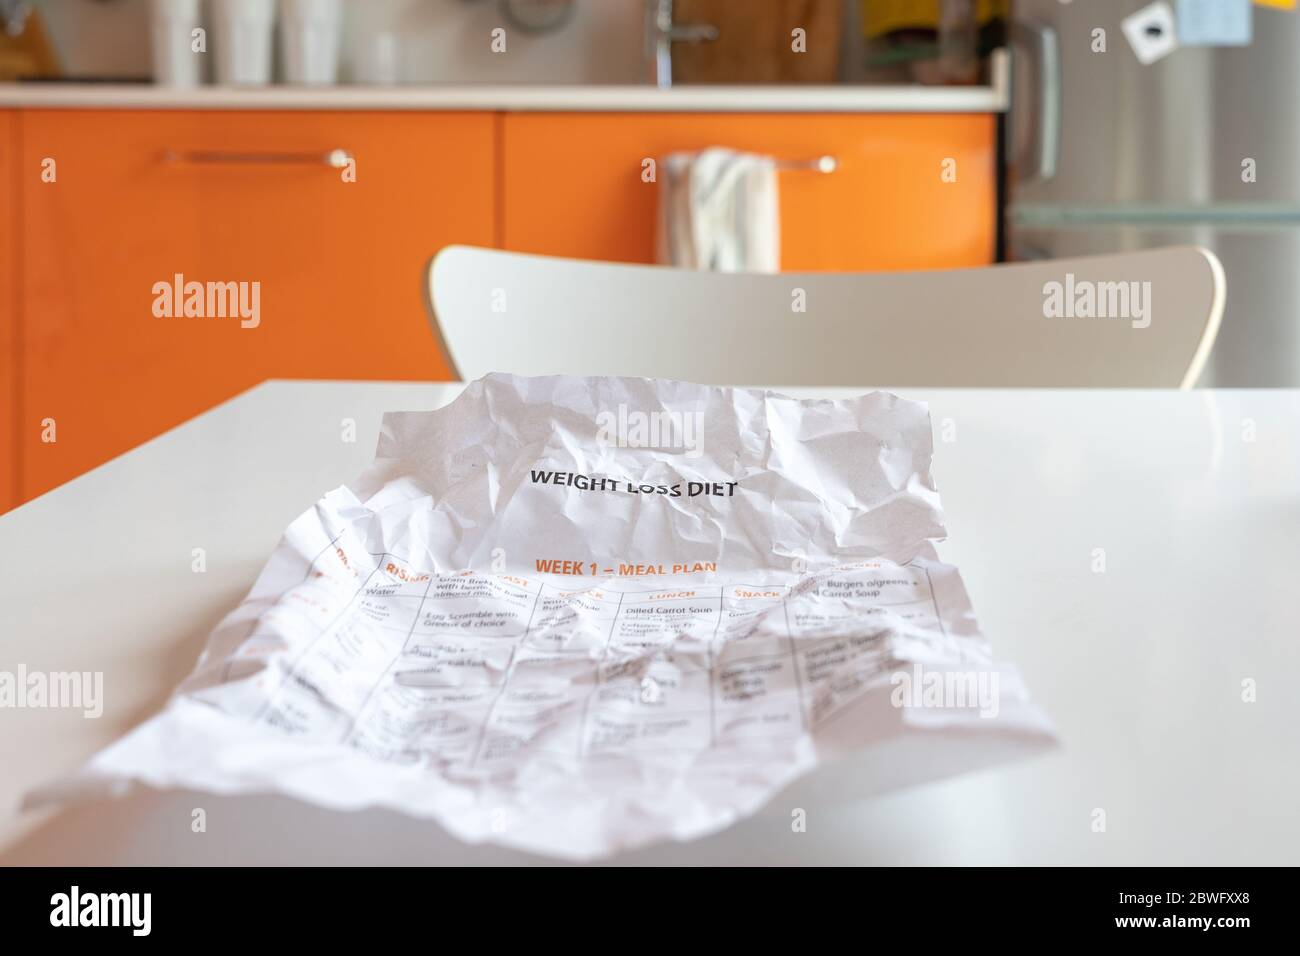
[661, 33]
[14, 14]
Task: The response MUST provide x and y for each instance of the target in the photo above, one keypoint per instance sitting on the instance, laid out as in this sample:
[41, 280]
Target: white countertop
[575, 98]
[1194, 497]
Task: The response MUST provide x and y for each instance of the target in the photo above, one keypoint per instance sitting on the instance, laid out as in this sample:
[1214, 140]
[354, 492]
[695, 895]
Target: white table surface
[1141, 667]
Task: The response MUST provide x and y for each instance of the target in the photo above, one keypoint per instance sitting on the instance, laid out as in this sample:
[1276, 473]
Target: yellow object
[883, 16]
[1276, 4]
[29, 53]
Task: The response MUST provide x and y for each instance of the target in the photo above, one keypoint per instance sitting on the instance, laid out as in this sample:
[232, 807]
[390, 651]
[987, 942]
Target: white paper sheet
[580, 615]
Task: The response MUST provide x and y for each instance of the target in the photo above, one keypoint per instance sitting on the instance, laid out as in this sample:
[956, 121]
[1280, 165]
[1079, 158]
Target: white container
[242, 40]
[379, 63]
[309, 40]
[171, 33]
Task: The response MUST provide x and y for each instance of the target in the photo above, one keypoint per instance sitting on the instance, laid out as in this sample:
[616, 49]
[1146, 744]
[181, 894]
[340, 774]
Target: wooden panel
[573, 185]
[755, 42]
[9, 297]
[340, 264]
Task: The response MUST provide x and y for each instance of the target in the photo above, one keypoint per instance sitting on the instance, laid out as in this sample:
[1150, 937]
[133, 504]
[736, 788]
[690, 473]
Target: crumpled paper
[579, 615]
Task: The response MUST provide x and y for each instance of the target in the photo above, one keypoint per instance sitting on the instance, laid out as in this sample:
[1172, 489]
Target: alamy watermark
[946, 690]
[208, 300]
[667, 430]
[54, 690]
[1085, 299]
[75, 908]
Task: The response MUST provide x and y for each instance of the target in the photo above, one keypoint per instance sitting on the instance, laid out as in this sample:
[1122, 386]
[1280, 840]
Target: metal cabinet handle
[334, 159]
[819, 164]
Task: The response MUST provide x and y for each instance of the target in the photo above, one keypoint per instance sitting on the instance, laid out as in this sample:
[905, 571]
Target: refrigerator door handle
[1036, 159]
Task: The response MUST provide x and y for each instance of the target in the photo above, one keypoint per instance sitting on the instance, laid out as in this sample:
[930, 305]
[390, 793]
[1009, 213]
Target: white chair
[536, 315]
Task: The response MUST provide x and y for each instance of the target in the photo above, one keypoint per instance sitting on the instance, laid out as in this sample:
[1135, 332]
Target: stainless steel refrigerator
[1106, 154]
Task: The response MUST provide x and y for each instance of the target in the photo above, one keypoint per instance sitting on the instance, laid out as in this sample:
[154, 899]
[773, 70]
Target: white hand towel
[718, 211]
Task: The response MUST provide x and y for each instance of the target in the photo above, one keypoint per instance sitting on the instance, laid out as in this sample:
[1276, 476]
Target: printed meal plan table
[1133, 552]
[547, 629]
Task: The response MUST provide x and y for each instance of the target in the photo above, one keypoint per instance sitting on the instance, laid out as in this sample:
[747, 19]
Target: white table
[1141, 667]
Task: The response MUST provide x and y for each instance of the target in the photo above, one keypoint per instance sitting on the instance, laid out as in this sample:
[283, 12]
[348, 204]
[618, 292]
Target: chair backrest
[1139, 319]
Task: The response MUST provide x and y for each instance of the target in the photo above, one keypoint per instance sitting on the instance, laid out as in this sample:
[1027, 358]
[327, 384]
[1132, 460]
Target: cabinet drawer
[573, 185]
[246, 198]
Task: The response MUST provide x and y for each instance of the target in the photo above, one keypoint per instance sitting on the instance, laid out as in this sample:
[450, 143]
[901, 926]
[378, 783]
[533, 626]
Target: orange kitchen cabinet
[573, 184]
[9, 465]
[340, 265]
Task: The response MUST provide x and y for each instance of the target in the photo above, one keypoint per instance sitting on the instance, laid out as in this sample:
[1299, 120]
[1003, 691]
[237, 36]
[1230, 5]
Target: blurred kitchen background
[1108, 153]
[567, 41]
[1078, 127]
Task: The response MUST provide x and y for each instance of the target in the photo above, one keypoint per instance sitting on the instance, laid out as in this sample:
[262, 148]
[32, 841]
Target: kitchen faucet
[661, 33]
[14, 14]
